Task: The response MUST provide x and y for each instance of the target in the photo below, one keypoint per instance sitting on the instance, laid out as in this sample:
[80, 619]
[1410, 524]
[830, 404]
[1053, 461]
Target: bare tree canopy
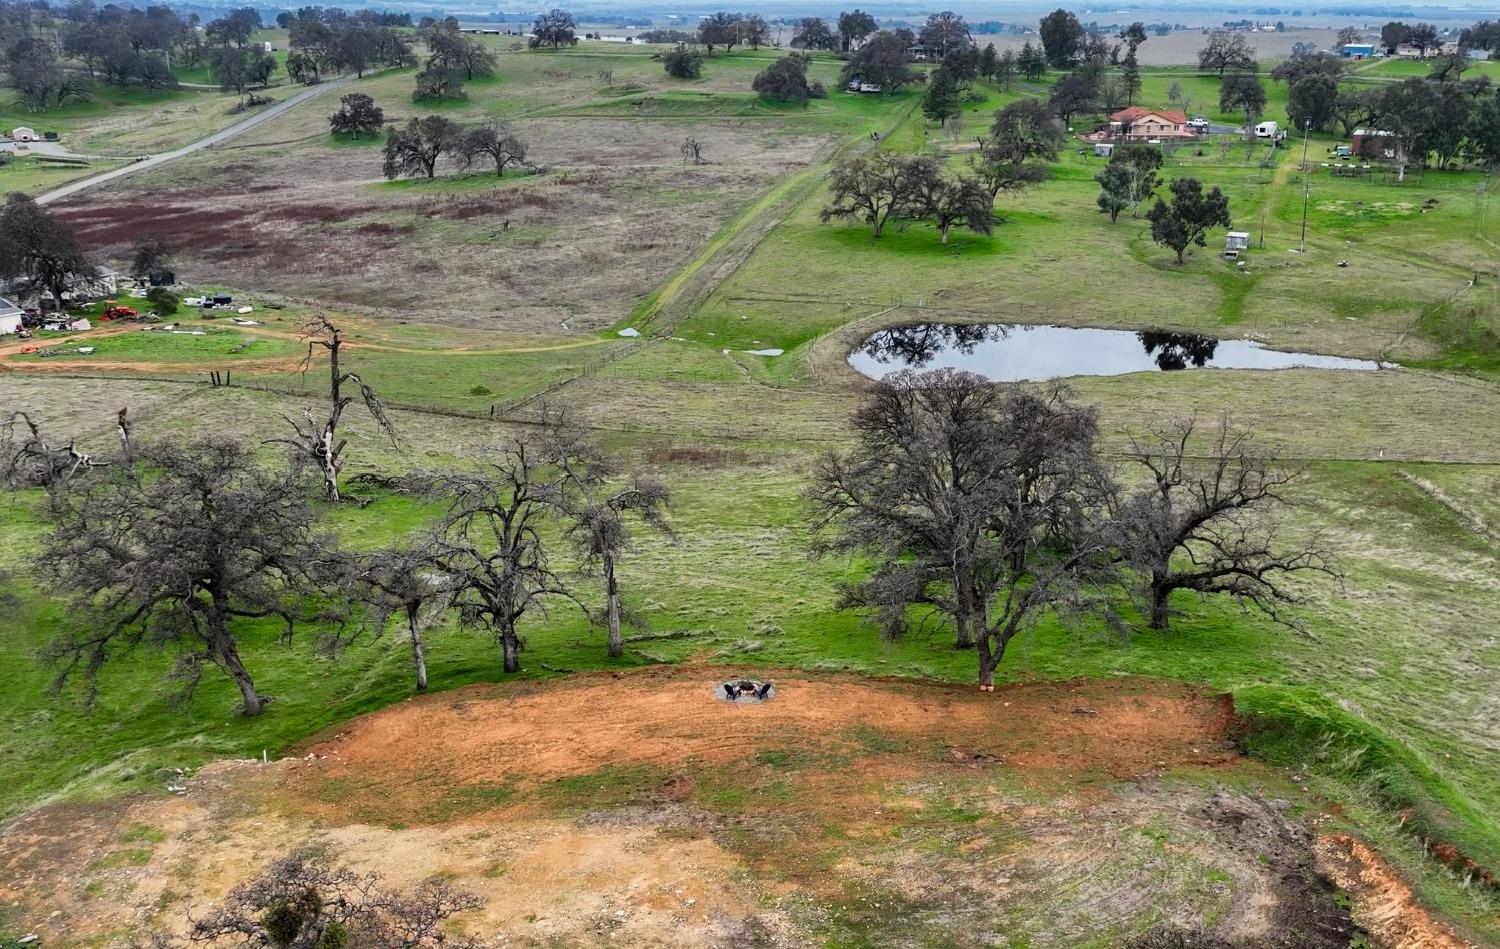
[171, 550]
[405, 580]
[494, 142]
[490, 543]
[1209, 523]
[29, 460]
[303, 901]
[948, 201]
[871, 189]
[1226, 50]
[319, 441]
[599, 509]
[987, 503]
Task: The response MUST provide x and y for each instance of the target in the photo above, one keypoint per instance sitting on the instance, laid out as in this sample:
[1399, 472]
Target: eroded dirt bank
[636, 809]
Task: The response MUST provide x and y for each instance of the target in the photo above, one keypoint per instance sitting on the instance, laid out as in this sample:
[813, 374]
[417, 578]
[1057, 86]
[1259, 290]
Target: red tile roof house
[1138, 124]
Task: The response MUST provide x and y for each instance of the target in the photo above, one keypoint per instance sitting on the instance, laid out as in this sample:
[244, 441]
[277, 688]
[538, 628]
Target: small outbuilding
[10, 317]
[1104, 149]
[1357, 50]
[1235, 243]
[1373, 143]
[23, 134]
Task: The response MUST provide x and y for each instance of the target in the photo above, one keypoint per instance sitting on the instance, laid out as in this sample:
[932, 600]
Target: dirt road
[244, 125]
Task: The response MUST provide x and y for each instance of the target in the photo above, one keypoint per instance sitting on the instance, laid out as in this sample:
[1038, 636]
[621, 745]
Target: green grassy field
[1386, 701]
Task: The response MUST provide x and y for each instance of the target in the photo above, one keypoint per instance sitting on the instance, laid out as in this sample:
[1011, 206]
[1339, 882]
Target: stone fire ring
[744, 691]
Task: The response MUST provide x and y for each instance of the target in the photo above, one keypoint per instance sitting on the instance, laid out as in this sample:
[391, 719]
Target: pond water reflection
[1013, 352]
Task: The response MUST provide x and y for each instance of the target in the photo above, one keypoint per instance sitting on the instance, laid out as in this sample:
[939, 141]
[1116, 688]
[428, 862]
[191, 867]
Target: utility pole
[1306, 181]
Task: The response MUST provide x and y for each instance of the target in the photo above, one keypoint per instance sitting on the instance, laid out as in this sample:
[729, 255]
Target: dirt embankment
[639, 809]
[1383, 903]
[668, 719]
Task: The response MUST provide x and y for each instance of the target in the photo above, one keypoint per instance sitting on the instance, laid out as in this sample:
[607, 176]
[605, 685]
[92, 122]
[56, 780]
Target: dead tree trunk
[510, 646]
[227, 654]
[612, 607]
[418, 655]
[321, 443]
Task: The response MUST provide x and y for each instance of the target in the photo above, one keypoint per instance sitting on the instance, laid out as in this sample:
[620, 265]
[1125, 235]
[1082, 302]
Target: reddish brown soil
[1383, 903]
[637, 809]
[668, 719]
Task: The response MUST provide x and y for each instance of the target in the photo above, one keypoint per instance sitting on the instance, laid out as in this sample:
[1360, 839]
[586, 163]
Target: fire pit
[744, 691]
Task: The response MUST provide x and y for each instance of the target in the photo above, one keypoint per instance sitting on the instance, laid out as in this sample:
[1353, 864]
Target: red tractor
[120, 313]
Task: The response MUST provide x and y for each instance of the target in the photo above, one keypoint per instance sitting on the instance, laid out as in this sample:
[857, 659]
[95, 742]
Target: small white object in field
[766, 352]
[247, 309]
[85, 349]
[630, 331]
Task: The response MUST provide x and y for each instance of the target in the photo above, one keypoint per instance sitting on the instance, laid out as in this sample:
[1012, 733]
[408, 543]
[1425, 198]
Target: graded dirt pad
[662, 720]
[637, 809]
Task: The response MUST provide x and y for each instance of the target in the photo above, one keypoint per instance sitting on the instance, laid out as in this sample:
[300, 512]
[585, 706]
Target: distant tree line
[322, 40]
[416, 148]
[889, 186]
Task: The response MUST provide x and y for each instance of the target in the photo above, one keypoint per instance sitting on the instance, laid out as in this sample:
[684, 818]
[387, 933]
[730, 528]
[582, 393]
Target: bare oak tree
[172, 550]
[495, 142]
[1209, 524]
[319, 441]
[406, 581]
[871, 189]
[303, 901]
[490, 544]
[599, 510]
[985, 502]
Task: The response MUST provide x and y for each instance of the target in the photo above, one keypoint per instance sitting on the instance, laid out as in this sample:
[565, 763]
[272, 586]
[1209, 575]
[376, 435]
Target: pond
[1013, 352]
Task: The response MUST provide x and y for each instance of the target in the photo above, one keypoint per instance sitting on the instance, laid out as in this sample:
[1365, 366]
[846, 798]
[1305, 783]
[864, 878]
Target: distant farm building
[1139, 124]
[1357, 50]
[10, 318]
[23, 134]
[1236, 242]
[1372, 143]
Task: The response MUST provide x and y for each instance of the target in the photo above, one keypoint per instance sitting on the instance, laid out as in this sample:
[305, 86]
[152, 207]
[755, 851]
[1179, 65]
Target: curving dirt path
[208, 141]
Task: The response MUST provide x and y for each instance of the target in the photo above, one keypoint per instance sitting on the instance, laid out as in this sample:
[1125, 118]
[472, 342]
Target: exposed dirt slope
[638, 809]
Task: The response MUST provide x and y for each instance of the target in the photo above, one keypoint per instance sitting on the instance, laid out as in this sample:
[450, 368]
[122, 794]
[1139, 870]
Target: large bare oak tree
[1209, 522]
[174, 550]
[987, 503]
